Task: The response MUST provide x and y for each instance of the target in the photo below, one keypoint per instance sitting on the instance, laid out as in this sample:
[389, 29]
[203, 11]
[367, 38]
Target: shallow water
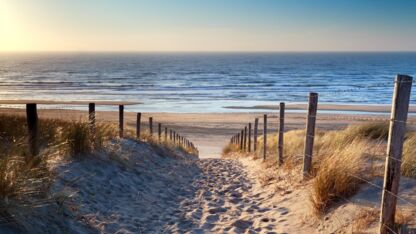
[204, 82]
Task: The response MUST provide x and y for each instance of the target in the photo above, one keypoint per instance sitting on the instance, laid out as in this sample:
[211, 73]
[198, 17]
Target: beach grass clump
[371, 131]
[230, 148]
[339, 176]
[79, 138]
[10, 171]
[162, 144]
[409, 156]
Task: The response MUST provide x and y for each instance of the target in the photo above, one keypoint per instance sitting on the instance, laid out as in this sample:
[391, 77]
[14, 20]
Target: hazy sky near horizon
[207, 25]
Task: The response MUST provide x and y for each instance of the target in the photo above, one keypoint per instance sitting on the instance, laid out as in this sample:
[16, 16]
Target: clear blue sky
[209, 25]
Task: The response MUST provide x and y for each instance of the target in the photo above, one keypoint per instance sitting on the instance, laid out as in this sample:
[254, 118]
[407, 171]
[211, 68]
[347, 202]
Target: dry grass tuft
[337, 175]
[364, 219]
[409, 156]
[80, 139]
[230, 148]
[162, 145]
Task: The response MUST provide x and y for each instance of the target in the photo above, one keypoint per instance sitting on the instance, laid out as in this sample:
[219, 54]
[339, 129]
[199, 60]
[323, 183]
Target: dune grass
[339, 158]
[338, 176]
[154, 141]
[409, 156]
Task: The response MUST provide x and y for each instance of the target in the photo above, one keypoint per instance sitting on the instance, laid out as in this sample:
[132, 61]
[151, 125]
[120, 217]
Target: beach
[210, 132]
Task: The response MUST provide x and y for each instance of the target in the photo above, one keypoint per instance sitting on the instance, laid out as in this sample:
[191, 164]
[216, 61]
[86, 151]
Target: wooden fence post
[245, 139]
[397, 131]
[91, 121]
[256, 126]
[310, 134]
[151, 126]
[32, 126]
[249, 137]
[121, 120]
[91, 116]
[166, 134]
[138, 120]
[241, 139]
[264, 137]
[281, 132]
[170, 134]
[238, 139]
[174, 137]
[159, 131]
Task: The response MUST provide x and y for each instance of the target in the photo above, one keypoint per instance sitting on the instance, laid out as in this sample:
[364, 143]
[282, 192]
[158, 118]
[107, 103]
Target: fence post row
[249, 137]
[256, 126]
[138, 120]
[33, 119]
[121, 120]
[265, 137]
[32, 125]
[281, 132]
[397, 131]
[310, 134]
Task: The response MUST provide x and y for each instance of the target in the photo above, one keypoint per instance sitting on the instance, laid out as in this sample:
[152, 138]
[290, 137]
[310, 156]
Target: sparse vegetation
[409, 156]
[20, 172]
[340, 157]
[338, 176]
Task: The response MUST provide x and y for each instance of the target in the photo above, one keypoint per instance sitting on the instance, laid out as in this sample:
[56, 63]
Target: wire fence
[392, 158]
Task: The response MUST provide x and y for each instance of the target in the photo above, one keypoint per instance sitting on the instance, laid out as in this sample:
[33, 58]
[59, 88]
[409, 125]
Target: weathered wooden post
[91, 116]
[281, 132]
[138, 120]
[170, 134]
[159, 131]
[151, 126]
[245, 138]
[256, 126]
[121, 120]
[310, 134]
[238, 139]
[241, 139]
[397, 131]
[91, 121]
[166, 134]
[174, 137]
[32, 126]
[249, 137]
[264, 137]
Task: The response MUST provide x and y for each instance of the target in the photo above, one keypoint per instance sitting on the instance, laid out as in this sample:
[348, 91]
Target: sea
[204, 82]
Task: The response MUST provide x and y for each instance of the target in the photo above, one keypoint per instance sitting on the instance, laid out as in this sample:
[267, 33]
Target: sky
[207, 25]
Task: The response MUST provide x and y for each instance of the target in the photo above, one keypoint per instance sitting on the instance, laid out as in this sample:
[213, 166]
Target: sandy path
[224, 201]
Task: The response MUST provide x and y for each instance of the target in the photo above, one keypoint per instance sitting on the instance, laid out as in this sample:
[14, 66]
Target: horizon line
[213, 51]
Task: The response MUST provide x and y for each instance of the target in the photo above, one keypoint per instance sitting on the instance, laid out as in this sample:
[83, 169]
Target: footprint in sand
[283, 211]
